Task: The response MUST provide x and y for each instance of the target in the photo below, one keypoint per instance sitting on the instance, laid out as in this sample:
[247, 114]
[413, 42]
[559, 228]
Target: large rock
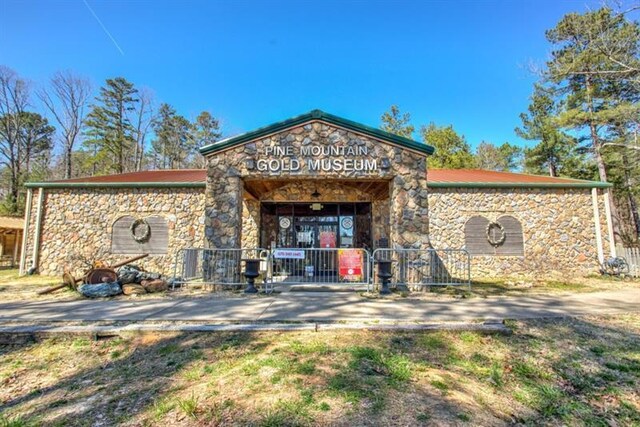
[157, 285]
[134, 274]
[133, 289]
[101, 290]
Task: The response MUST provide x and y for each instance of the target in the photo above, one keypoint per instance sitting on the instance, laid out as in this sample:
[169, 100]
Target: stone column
[380, 222]
[409, 209]
[250, 223]
[223, 225]
[223, 206]
[223, 210]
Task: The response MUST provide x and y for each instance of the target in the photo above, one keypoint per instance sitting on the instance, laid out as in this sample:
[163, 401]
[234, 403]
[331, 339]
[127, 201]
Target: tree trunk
[602, 170]
[15, 183]
[67, 169]
[633, 206]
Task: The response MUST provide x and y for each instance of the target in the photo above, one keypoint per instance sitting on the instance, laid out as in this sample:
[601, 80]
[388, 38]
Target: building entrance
[316, 225]
[320, 229]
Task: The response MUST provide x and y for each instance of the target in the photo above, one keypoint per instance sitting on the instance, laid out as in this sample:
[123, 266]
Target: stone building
[318, 180]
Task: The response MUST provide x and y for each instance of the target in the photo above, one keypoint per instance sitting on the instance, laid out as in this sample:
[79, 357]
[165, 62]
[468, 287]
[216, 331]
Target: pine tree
[31, 153]
[205, 130]
[505, 157]
[452, 150]
[556, 152]
[396, 123]
[110, 134]
[595, 72]
[596, 83]
[173, 144]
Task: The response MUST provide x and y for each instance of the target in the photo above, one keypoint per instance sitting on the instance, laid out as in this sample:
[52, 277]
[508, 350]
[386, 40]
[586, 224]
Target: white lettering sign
[288, 254]
[291, 159]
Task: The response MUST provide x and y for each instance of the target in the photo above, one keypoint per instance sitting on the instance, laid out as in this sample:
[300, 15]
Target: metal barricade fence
[632, 256]
[424, 267]
[319, 266]
[349, 266]
[218, 267]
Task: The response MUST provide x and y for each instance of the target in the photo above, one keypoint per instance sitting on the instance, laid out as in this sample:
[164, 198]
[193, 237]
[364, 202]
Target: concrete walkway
[322, 307]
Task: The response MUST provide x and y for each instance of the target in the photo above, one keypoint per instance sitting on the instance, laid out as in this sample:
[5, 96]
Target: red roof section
[435, 177]
[487, 176]
[156, 176]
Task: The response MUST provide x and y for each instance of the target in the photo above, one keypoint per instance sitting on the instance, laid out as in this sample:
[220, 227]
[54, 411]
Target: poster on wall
[328, 239]
[350, 265]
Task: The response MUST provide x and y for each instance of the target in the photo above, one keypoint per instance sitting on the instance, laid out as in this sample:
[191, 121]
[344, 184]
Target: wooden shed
[11, 232]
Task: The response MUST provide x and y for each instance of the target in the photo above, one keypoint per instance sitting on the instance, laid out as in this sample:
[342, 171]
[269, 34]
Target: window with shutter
[131, 235]
[505, 233]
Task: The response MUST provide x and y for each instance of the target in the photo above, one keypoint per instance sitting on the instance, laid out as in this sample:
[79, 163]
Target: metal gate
[217, 267]
[319, 266]
[417, 268]
[413, 268]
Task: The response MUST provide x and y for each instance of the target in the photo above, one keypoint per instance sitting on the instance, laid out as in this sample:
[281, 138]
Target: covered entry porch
[313, 228]
[315, 213]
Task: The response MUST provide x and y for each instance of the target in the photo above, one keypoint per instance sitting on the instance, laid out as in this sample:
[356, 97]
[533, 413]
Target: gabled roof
[11, 222]
[149, 179]
[479, 178]
[461, 178]
[316, 115]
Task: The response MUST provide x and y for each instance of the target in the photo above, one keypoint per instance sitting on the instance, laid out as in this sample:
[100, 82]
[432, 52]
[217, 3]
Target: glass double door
[316, 234]
[321, 229]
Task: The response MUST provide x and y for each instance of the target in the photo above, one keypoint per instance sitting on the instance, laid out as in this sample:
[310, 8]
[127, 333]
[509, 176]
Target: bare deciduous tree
[67, 98]
[142, 121]
[14, 99]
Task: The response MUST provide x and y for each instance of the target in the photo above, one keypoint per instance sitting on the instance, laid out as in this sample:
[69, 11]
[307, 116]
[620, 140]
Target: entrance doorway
[316, 225]
[322, 230]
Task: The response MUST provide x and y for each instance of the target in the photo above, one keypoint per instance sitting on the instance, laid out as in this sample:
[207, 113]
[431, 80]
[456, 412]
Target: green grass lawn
[14, 287]
[521, 287]
[554, 372]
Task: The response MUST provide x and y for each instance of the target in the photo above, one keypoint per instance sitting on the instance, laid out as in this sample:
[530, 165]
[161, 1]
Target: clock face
[347, 223]
[285, 223]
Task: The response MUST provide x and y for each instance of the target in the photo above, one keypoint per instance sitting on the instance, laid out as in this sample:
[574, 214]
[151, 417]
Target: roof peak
[316, 115]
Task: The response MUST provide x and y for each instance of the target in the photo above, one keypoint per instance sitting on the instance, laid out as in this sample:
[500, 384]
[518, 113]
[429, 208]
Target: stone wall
[405, 216]
[558, 227]
[250, 223]
[77, 225]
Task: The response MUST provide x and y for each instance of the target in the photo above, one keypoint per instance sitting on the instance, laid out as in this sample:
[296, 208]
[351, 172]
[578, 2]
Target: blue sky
[251, 63]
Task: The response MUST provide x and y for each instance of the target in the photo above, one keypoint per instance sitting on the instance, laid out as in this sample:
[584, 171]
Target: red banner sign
[350, 264]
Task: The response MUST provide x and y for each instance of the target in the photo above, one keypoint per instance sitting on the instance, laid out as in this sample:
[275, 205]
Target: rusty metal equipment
[100, 275]
[93, 276]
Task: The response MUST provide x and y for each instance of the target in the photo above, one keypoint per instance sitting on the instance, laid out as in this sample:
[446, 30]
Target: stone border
[20, 334]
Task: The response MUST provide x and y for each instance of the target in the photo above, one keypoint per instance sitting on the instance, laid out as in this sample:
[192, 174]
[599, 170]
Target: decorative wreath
[140, 224]
[493, 240]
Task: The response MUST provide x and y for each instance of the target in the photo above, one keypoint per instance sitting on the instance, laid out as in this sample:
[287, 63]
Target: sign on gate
[288, 254]
[350, 264]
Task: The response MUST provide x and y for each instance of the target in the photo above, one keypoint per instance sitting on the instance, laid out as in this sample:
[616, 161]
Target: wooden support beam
[250, 191]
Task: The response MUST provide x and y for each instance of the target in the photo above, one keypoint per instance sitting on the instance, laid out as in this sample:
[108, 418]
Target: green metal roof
[313, 116]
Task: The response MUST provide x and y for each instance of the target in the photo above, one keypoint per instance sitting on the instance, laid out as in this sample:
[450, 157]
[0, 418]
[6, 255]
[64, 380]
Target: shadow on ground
[571, 371]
